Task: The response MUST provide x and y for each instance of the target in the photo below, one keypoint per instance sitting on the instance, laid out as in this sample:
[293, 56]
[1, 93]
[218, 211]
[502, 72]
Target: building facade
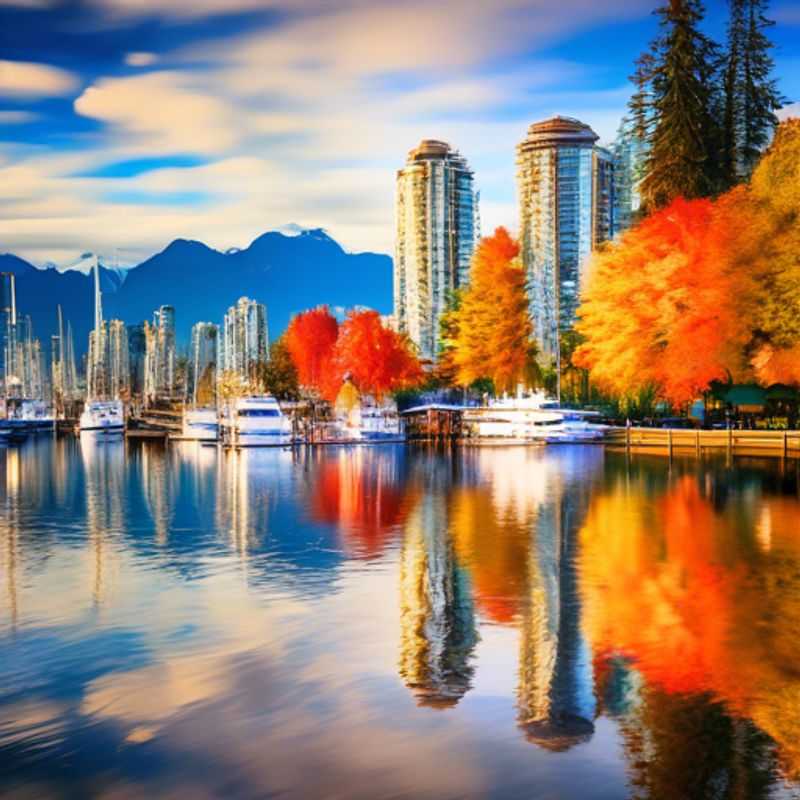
[159, 359]
[245, 339]
[630, 153]
[566, 195]
[119, 370]
[203, 360]
[436, 226]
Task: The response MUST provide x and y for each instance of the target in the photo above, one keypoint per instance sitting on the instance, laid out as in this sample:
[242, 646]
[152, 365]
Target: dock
[783, 444]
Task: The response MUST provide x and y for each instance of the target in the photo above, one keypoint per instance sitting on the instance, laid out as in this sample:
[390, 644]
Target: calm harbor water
[396, 622]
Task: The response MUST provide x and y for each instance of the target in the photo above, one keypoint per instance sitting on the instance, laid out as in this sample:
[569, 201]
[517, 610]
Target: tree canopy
[702, 290]
[490, 331]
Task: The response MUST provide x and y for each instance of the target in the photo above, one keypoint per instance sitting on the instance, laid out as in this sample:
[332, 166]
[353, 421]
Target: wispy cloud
[28, 79]
[304, 119]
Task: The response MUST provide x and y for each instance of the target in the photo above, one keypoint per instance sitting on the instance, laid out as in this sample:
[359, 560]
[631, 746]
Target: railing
[780, 443]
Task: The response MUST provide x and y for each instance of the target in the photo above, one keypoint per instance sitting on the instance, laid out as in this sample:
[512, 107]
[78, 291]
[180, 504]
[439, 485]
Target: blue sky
[127, 123]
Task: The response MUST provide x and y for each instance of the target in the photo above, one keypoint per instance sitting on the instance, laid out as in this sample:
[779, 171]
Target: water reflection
[104, 468]
[437, 616]
[261, 622]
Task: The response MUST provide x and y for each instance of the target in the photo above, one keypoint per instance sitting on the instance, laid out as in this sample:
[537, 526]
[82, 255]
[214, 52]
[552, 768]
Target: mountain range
[287, 273]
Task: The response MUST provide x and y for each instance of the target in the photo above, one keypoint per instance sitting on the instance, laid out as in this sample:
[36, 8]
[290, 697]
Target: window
[259, 412]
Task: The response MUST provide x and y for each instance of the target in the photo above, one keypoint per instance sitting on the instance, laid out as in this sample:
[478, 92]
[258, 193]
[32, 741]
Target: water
[396, 623]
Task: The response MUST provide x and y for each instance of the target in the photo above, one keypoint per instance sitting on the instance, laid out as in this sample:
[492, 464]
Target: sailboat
[103, 415]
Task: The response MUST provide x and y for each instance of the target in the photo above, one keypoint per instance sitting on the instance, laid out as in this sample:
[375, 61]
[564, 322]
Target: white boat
[369, 422]
[32, 416]
[255, 421]
[535, 418]
[200, 424]
[107, 416]
[379, 423]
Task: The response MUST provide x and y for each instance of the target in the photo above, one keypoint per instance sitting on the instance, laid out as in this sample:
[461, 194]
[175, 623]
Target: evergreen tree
[760, 95]
[684, 137]
[732, 120]
[751, 95]
[641, 102]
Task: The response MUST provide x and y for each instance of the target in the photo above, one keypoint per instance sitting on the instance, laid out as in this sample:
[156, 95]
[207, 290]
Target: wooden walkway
[681, 440]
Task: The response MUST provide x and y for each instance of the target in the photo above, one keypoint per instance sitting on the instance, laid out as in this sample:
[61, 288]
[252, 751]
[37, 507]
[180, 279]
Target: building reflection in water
[157, 484]
[437, 618]
[248, 486]
[104, 471]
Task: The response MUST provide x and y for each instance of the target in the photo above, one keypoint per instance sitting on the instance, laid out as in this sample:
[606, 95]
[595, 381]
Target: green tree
[760, 95]
[685, 136]
[751, 94]
[279, 374]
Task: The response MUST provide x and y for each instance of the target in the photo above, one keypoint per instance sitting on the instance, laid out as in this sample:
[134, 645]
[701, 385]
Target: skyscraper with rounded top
[435, 237]
[566, 189]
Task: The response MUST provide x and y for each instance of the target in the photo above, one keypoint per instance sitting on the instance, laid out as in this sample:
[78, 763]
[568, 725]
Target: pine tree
[685, 139]
[732, 120]
[641, 102]
[760, 95]
[751, 95]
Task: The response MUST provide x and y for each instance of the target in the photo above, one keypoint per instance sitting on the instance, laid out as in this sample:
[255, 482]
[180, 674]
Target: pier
[782, 444]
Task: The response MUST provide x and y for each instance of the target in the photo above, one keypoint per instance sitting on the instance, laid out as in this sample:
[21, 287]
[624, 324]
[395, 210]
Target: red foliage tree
[311, 341]
[378, 359]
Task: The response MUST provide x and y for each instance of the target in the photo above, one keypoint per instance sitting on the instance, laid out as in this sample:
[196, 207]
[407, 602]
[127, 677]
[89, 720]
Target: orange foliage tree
[701, 291]
[378, 359]
[311, 341]
[492, 327]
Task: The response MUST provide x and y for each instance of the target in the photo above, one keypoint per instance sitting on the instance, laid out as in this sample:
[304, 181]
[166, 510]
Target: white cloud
[161, 113]
[28, 79]
[789, 112]
[141, 59]
[306, 122]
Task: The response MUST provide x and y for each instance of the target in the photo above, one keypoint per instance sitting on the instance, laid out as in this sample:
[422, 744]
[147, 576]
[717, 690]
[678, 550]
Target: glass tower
[245, 342]
[566, 193]
[203, 357]
[435, 237]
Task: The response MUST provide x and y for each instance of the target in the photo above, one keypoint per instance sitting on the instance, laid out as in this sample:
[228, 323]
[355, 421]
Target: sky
[125, 124]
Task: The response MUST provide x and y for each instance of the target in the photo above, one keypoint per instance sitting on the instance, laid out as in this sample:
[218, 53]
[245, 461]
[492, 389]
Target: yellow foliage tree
[702, 290]
[492, 327]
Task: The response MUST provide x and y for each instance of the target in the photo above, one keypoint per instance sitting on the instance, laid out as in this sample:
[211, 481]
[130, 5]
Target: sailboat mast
[98, 303]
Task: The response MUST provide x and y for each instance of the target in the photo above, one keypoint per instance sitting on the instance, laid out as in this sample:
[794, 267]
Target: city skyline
[250, 138]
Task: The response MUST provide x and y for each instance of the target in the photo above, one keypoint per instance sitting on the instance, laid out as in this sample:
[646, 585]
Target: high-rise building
[203, 358]
[245, 341]
[137, 351]
[629, 155]
[119, 372]
[159, 359]
[566, 193]
[435, 238]
[108, 365]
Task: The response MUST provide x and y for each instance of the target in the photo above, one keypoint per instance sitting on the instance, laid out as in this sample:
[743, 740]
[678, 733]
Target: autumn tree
[492, 328]
[775, 187]
[311, 340]
[702, 290]
[206, 391]
[377, 359]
